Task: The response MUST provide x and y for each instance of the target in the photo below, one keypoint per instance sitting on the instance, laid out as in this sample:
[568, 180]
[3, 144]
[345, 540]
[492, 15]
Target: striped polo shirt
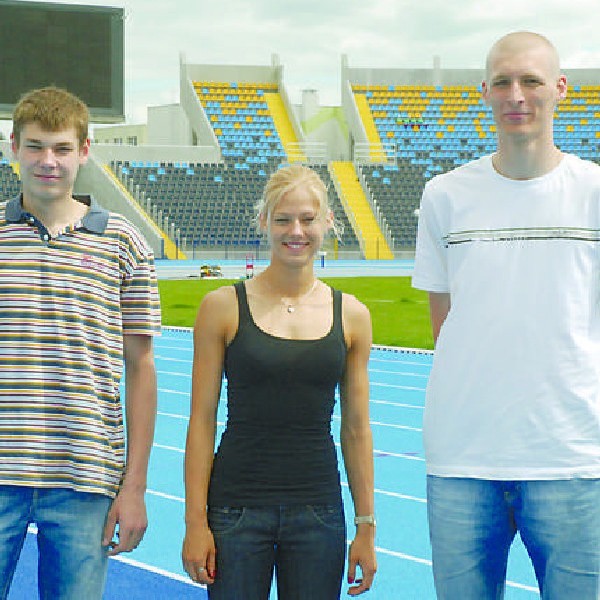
[65, 304]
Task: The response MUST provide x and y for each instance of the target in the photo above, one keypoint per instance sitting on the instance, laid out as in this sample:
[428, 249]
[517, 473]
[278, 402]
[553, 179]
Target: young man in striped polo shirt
[78, 298]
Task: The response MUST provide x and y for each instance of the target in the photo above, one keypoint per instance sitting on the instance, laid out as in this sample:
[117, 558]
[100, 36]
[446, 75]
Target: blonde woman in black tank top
[269, 500]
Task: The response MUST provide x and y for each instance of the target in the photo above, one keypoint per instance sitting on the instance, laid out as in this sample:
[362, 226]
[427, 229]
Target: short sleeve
[430, 272]
[140, 304]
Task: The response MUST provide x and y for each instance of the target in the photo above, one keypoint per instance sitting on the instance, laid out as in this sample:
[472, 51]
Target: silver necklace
[292, 307]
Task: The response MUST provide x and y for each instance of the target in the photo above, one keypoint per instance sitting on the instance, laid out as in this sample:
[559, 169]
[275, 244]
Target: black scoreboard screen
[79, 48]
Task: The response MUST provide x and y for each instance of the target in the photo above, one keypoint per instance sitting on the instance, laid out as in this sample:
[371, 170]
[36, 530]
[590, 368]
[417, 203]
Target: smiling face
[294, 212]
[49, 162]
[523, 85]
[296, 226]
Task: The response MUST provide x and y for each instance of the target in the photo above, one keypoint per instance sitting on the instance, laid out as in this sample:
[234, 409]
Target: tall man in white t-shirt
[509, 251]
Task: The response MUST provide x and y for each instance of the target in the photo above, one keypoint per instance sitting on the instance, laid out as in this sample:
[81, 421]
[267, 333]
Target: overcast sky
[309, 36]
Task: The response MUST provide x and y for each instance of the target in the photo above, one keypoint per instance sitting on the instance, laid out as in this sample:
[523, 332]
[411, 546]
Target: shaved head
[522, 41]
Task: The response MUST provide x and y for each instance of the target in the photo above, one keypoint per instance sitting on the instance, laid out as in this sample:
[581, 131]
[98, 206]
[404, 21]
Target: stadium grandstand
[190, 177]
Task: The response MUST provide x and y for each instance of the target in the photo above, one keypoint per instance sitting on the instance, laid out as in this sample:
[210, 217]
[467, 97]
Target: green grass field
[400, 313]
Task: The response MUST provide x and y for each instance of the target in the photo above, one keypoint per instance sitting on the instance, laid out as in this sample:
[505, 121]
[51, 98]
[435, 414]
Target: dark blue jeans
[305, 546]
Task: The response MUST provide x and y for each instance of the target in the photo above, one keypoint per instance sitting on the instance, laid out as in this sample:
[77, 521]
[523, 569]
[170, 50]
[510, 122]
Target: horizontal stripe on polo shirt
[65, 304]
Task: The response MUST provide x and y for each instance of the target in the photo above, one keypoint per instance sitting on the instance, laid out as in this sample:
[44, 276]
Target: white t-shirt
[514, 392]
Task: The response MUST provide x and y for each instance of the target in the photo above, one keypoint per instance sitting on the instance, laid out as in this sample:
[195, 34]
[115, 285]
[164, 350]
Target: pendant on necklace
[290, 308]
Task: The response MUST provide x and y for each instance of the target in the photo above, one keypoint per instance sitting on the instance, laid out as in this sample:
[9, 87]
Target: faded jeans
[72, 562]
[472, 523]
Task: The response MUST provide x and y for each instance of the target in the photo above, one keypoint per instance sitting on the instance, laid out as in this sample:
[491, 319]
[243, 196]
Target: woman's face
[296, 226]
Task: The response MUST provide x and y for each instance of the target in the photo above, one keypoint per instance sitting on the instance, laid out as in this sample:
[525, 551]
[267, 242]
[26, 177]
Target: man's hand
[128, 511]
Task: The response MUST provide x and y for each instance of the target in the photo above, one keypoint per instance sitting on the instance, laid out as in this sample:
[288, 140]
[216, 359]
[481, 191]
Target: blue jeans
[304, 545]
[72, 562]
[472, 523]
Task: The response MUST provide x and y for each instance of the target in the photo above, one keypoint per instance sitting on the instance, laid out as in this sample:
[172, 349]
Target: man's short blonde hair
[53, 109]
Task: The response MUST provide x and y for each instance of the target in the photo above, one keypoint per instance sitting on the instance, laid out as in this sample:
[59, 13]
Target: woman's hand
[362, 554]
[199, 554]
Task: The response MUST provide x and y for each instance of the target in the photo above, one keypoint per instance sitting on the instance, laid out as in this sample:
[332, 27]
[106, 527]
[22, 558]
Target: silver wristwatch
[366, 519]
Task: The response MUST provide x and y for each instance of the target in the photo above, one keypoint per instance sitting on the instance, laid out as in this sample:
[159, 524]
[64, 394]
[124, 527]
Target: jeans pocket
[329, 515]
[223, 519]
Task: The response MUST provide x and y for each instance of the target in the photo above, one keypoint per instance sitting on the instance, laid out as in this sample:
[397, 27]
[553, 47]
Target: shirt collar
[95, 220]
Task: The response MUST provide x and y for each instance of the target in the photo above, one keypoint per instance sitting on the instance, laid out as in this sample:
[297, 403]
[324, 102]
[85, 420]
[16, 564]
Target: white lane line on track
[401, 496]
[160, 413]
[392, 425]
[422, 561]
[396, 386]
[397, 404]
[175, 374]
[158, 571]
[171, 359]
[399, 373]
[177, 392]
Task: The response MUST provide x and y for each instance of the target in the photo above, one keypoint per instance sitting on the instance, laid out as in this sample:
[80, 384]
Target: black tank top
[277, 446]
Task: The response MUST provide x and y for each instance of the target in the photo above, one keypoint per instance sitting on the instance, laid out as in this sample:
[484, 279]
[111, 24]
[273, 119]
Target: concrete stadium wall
[168, 126]
[93, 179]
[123, 133]
[229, 73]
[448, 77]
[198, 119]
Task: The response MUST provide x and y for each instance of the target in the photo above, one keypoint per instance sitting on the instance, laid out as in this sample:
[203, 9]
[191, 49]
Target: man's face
[522, 88]
[49, 162]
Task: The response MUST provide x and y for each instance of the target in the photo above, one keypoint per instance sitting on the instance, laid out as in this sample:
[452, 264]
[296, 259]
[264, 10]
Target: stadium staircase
[9, 178]
[373, 243]
[370, 128]
[284, 127]
[170, 249]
